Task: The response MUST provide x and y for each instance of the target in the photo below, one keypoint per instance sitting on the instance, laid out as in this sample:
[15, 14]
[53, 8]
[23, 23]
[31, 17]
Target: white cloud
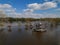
[31, 15]
[28, 13]
[49, 15]
[2, 14]
[7, 9]
[46, 5]
[36, 15]
[28, 10]
[34, 6]
[5, 6]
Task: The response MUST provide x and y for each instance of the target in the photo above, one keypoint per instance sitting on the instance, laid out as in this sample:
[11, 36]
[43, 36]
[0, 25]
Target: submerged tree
[2, 18]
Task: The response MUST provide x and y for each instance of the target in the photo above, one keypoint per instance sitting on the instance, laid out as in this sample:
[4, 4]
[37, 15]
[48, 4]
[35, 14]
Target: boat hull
[40, 30]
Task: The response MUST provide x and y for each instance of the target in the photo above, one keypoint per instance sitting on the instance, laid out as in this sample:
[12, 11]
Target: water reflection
[20, 36]
[2, 26]
[26, 27]
[53, 26]
[38, 35]
[9, 29]
[19, 30]
[1, 29]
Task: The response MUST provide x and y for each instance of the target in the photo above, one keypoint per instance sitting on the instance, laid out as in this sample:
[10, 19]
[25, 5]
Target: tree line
[57, 20]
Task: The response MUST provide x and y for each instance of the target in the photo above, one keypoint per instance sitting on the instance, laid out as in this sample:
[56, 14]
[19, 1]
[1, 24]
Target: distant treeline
[33, 19]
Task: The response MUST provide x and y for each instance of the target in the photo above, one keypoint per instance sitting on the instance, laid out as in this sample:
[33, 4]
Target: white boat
[40, 30]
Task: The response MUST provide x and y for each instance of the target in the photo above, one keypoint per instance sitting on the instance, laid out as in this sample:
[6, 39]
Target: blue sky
[20, 4]
[30, 8]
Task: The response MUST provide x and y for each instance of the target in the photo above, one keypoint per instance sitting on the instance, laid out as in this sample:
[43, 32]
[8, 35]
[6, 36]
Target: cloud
[35, 6]
[2, 14]
[36, 15]
[28, 13]
[7, 10]
[49, 15]
[44, 6]
[5, 6]
[28, 10]
[58, 1]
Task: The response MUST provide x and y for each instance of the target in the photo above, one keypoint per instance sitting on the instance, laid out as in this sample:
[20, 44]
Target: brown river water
[18, 35]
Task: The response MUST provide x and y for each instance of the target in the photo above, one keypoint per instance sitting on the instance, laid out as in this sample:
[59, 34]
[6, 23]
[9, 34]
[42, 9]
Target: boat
[40, 28]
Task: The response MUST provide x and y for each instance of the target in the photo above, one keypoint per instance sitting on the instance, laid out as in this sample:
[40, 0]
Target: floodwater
[18, 35]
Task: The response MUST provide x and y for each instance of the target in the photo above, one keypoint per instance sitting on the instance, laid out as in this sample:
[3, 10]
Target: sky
[30, 8]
